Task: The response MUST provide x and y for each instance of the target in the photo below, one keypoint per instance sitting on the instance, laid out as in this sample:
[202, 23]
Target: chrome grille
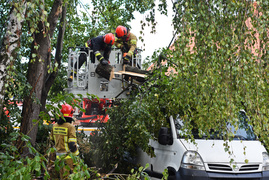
[253, 167]
[220, 167]
[228, 168]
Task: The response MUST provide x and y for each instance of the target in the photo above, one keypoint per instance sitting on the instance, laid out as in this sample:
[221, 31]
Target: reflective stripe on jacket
[131, 42]
[97, 44]
[62, 135]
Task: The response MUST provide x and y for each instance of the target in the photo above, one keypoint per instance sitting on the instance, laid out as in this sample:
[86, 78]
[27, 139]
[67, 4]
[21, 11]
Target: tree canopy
[217, 66]
[218, 62]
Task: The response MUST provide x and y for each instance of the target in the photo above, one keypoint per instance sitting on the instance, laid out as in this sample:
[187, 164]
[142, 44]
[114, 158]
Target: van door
[168, 149]
[164, 156]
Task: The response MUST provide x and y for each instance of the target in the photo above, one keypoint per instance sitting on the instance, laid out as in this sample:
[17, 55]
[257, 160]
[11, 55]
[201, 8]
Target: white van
[207, 159]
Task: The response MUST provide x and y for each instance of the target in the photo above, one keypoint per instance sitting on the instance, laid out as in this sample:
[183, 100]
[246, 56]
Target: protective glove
[126, 59]
[104, 62]
[70, 78]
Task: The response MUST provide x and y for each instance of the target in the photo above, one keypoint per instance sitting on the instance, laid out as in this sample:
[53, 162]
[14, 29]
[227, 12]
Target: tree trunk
[133, 73]
[11, 43]
[37, 70]
[50, 77]
[106, 71]
[135, 70]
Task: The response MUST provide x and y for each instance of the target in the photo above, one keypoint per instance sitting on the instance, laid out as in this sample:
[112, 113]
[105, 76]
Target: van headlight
[265, 162]
[192, 160]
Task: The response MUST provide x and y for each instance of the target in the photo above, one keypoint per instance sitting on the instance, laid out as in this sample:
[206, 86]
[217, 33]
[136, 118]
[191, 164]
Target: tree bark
[106, 71]
[50, 77]
[37, 71]
[11, 43]
[135, 69]
[132, 69]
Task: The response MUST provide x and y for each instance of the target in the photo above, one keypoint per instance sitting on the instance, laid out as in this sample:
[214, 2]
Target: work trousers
[64, 171]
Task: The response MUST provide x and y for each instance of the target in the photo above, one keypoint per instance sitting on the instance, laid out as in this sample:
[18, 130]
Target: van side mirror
[165, 137]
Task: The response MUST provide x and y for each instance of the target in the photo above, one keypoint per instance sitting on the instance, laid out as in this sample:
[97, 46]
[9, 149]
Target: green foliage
[165, 174]
[4, 6]
[17, 87]
[104, 11]
[81, 170]
[35, 165]
[215, 78]
[58, 85]
[130, 126]
[5, 128]
[217, 71]
[42, 139]
[13, 166]
[139, 174]
[79, 29]
[217, 74]
[15, 91]
[41, 165]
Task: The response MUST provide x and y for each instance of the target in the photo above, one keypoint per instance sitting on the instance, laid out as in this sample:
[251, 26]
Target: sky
[162, 37]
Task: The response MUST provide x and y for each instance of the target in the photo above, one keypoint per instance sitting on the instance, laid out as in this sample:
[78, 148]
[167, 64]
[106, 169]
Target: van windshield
[241, 131]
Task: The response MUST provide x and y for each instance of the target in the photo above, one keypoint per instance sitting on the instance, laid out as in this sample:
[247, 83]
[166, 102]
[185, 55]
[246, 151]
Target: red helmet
[67, 110]
[121, 31]
[109, 39]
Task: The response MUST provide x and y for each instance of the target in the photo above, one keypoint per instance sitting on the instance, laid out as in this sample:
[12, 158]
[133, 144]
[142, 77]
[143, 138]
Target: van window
[241, 131]
[244, 130]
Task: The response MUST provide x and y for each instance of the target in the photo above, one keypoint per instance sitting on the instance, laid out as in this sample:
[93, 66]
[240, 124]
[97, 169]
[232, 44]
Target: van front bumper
[187, 174]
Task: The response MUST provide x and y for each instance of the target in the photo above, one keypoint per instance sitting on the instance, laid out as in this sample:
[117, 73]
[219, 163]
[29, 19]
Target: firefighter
[97, 44]
[126, 41]
[64, 136]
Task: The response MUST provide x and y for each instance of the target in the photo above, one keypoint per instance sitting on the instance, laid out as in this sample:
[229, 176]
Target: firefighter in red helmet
[97, 44]
[126, 41]
[64, 136]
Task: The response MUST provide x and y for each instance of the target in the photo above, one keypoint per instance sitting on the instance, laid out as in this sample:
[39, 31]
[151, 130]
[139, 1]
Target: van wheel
[172, 177]
[171, 174]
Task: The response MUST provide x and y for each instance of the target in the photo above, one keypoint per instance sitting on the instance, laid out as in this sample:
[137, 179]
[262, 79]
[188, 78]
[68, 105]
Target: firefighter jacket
[129, 43]
[97, 44]
[65, 139]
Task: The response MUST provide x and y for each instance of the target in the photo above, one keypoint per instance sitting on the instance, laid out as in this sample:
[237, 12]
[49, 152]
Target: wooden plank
[130, 74]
